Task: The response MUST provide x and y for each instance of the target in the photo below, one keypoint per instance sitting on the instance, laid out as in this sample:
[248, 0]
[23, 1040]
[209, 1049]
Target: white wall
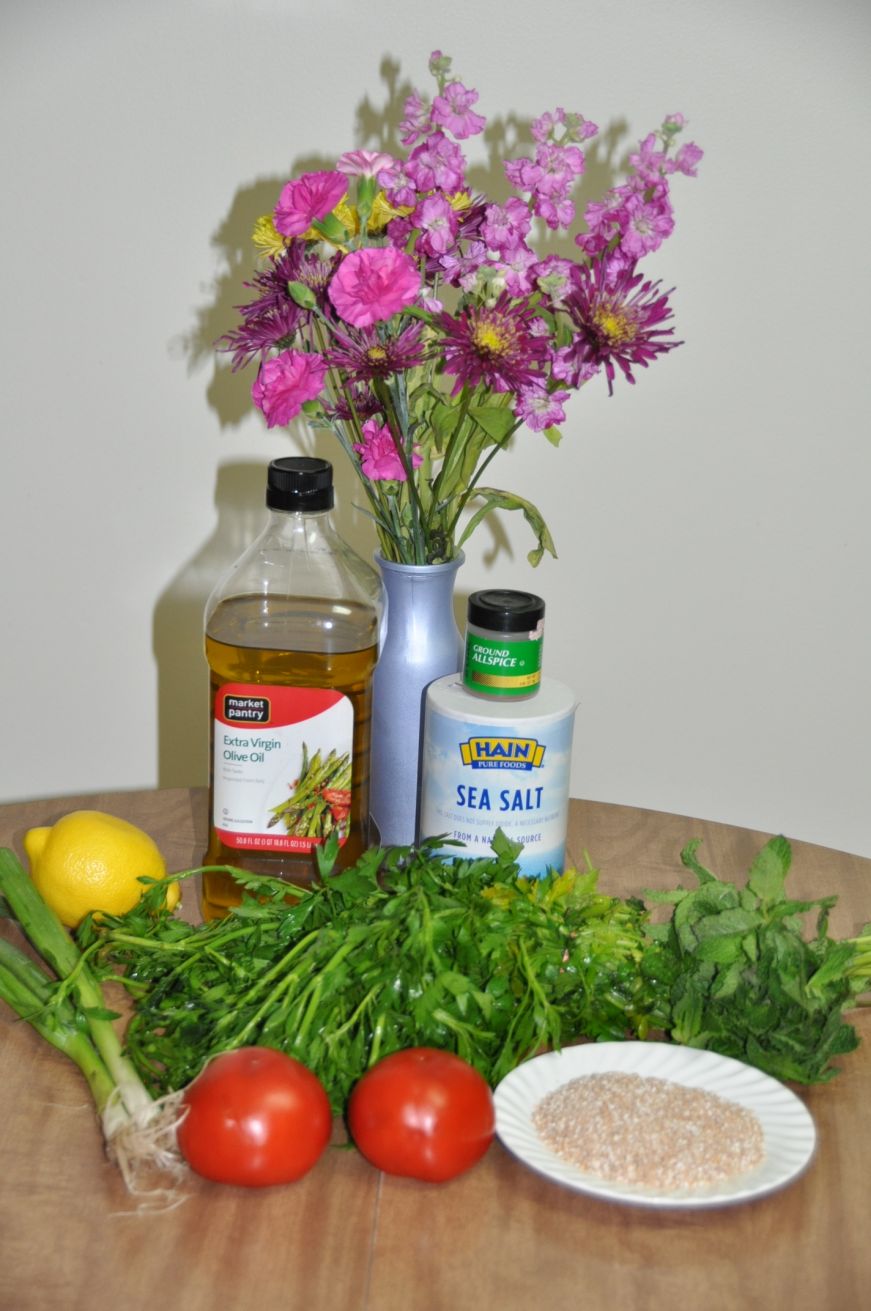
[710, 602]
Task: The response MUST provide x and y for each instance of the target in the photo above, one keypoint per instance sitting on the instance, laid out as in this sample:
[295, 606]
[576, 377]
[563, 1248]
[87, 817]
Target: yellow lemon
[92, 861]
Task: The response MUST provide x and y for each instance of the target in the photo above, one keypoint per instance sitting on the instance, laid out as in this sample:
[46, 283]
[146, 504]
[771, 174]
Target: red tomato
[423, 1113]
[254, 1117]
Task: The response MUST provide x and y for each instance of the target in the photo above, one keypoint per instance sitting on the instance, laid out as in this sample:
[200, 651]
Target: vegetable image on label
[321, 799]
[282, 766]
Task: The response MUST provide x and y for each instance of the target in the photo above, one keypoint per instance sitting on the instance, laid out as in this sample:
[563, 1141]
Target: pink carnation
[379, 458]
[307, 199]
[373, 283]
[285, 383]
[364, 163]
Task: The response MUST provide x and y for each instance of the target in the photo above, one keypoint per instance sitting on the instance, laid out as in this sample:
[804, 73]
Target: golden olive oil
[336, 648]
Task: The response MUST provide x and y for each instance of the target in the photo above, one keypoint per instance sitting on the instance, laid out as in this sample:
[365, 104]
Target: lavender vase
[420, 642]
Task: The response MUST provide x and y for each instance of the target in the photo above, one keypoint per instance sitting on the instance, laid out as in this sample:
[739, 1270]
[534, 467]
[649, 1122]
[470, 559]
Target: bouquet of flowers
[415, 318]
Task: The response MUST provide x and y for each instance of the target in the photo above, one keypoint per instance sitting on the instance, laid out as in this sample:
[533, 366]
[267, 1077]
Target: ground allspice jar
[504, 640]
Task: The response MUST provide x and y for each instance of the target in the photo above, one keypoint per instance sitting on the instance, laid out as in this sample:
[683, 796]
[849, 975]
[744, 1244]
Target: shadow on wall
[182, 672]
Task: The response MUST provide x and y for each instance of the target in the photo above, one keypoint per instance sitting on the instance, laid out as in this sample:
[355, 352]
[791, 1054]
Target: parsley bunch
[405, 948]
[741, 978]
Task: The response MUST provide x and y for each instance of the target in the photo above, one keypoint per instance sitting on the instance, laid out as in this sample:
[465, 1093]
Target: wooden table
[347, 1238]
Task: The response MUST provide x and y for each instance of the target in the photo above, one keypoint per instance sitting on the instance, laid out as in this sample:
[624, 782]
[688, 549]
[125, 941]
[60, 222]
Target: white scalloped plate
[790, 1136]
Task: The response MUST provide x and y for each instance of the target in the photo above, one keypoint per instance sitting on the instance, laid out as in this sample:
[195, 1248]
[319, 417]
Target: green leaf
[497, 423]
[727, 981]
[769, 870]
[553, 435]
[332, 228]
[494, 499]
[505, 847]
[302, 295]
[688, 858]
[726, 923]
[443, 420]
[100, 1013]
[687, 1014]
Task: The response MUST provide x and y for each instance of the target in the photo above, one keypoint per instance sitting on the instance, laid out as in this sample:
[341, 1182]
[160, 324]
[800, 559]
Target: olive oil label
[281, 766]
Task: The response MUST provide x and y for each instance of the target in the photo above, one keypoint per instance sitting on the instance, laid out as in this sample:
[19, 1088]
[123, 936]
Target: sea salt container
[487, 765]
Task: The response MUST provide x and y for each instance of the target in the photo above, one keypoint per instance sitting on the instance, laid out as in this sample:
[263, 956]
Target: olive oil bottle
[291, 638]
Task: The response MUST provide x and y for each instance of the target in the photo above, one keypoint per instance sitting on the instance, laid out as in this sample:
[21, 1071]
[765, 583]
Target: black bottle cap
[299, 483]
[505, 612]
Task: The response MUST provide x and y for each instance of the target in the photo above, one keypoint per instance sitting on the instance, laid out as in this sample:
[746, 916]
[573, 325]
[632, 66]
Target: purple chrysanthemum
[365, 354]
[493, 345]
[618, 318]
[272, 320]
[354, 402]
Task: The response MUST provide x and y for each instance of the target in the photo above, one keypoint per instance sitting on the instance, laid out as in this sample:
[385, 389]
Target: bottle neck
[298, 525]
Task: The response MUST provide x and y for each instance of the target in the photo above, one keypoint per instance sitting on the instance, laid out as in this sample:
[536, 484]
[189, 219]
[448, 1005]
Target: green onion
[69, 1010]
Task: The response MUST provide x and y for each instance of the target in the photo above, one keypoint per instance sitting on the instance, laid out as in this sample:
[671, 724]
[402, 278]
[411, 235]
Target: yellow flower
[383, 212]
[348, 217]
[267, 238]
[460, 200]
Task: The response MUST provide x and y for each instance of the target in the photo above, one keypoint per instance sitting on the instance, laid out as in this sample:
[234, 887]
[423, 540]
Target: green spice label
[502, 667]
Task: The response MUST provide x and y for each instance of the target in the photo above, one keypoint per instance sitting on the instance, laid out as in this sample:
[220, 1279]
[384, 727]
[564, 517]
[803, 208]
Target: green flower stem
[383, 393]
[468, 494]
[453, 450]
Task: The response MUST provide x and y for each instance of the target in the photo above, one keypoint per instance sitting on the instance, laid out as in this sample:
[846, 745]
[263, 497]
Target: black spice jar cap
[299, 482]
[505, 611]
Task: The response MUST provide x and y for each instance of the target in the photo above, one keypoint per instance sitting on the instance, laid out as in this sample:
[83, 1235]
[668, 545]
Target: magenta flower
[553, 277]
[493, 345]
[417, 122]
[437, 223]
[688, 158]
[557, 211]
[379, 458]
[372, 284]
[647, 224]
[398, 185]
[285, 383]
[453, 111]
[650, 161]
[619, 320]
[505, 226]
[515, 265]
[539, 408]
[560, 166]
[307, 199]
[559, 124]
[437, 164]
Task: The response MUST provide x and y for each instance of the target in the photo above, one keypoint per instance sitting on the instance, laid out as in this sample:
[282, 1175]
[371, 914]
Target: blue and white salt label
[500, 769]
